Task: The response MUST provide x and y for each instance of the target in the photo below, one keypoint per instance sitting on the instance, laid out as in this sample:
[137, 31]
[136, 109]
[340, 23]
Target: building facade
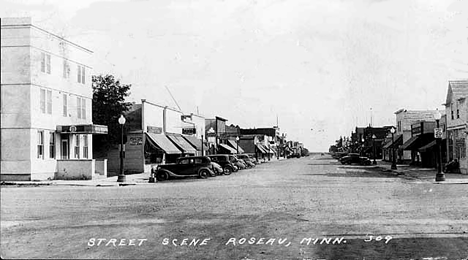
[46, 99]
[456, 109]
[404, 120]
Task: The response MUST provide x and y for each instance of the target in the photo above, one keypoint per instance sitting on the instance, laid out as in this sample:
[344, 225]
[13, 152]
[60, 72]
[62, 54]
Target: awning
[428, 146]
[410, 143]
[82, 129]
[234, 145]
[228, 148]
[398, 141]
[163, 143]
[195, 142]
[181, 143]
[261, 148]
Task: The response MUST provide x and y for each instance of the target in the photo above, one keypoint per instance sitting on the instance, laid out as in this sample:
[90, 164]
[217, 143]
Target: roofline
[53, 34]
[161, 106]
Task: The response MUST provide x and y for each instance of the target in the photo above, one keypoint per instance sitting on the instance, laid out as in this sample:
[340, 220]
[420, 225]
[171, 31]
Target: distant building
[404, 120]
[456, 109]
[46, 99]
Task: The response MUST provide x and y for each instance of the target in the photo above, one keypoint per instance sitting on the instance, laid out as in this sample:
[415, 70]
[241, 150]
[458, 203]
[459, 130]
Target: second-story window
[83, 108]
[451, 111]
[78, 107]
[49, 102]
[45, 101]
[65, 105]
[45, 62]
[81, 74]
[66, 69]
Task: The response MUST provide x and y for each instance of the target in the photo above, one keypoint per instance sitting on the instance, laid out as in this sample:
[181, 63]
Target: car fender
[204, 168]
[167, 171]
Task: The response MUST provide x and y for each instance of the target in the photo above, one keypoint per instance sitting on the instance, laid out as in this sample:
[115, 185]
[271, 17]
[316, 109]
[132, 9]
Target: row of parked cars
[350, 158]
[203, 166]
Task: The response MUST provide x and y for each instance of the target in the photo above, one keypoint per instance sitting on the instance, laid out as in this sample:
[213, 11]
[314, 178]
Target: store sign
[438, 132]
[136, 140]
[154, 129]
[189, 131]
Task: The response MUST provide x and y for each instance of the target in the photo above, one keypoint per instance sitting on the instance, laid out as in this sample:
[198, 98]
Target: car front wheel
[227, 171]
[203, 174]
[162, 176]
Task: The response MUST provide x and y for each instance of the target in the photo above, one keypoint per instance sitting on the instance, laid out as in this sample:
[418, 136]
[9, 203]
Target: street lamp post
[237, 142]
[440, 176]
[362, 146]
[121, 177]
[373, 144]
[202, 148]
[394, 167]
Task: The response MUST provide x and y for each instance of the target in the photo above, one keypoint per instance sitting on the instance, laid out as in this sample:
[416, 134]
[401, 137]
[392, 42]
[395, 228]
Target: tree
[108, 104]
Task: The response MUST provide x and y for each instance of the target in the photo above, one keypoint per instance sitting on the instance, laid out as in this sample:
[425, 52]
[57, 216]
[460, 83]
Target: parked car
[192, 166]
[237, 163]
[246, 159]
[224, 161]
[339, 155]
[355, 158]
[217, 168]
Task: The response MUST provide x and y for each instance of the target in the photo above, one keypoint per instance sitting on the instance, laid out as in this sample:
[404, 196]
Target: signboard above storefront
[82, 129]
[154, 129]
[189, 131]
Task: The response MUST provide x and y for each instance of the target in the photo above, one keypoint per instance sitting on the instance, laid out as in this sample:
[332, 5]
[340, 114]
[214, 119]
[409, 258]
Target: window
[43, 62]
[83, 108]
[85, 146]
[52, 145]
[79, 73]
[66, 70]
[78, 106]
[451, 110]
[40, 144]
[83, 75]
[77, 147]
[43, 101]
[458, 113]
[65, 105]
[49, 102]
[48, 63]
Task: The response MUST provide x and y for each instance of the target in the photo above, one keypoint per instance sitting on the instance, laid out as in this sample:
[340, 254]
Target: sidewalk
[131, 179]
[424, 174]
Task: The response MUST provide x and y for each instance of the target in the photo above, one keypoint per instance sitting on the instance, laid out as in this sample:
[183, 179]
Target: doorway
[64, 147]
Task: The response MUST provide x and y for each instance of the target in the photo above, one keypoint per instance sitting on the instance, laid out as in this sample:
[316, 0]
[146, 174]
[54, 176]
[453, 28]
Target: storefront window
[85, 146]
[77, 147]
[52, 145]
[152, 155]
[40, 144]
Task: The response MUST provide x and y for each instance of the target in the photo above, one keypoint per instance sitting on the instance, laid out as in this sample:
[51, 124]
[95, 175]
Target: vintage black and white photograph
[234, 129]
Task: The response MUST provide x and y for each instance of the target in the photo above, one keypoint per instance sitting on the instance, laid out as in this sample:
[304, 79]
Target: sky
[317, 67]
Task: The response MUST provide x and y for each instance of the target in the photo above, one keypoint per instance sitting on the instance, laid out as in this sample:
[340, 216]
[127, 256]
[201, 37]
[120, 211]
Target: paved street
[307, 208]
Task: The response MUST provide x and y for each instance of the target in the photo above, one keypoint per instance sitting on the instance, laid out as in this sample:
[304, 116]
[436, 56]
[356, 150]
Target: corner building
[46, 98]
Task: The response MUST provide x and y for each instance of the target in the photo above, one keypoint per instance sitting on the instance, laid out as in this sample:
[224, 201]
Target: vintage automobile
[339, 155]
[191, 166]
[225, 162]
[237, 162]
[355, 158]
[217, 168]
[246, 159]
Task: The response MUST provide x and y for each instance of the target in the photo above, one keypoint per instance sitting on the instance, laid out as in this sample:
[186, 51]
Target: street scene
[307, 208]
[234, 129]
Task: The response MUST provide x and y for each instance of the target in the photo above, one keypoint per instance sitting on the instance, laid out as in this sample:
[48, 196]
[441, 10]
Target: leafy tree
[108, 104]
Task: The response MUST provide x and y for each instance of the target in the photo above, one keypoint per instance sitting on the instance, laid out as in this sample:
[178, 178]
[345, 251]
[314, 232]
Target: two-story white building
[46, 94]
[456, 109]
[404, 120]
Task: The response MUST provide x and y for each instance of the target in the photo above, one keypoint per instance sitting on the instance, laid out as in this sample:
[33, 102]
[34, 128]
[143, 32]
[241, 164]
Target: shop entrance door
[65, 147]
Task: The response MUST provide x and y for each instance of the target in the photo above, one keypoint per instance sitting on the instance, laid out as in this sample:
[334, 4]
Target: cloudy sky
[320, 66]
